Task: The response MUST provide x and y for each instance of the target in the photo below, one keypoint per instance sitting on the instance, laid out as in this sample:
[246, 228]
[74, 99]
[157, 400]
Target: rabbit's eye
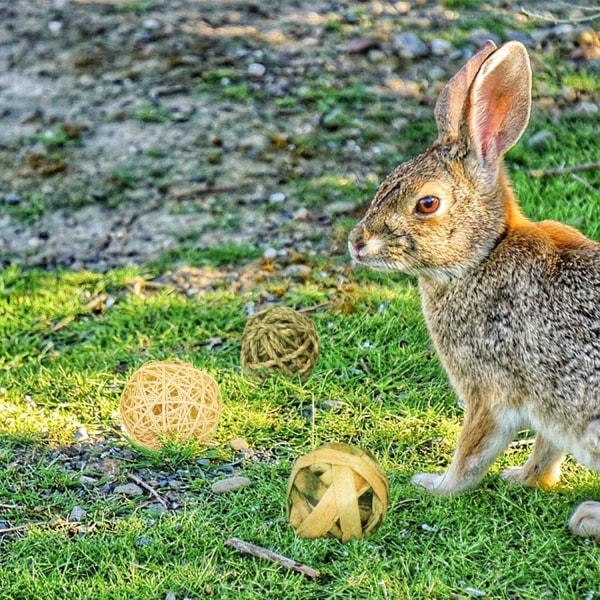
[427, 205]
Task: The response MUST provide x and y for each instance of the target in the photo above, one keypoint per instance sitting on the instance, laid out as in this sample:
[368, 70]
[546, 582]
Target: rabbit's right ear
[451, 104]
[499, 102]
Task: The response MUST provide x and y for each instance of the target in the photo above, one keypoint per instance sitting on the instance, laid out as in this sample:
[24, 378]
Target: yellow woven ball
[280, 340]
[337, 490]
[170, 400]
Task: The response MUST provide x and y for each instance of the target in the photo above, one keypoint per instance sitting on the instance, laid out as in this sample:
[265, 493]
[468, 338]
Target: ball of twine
[337, 490]
[170, 400]
[282, 340]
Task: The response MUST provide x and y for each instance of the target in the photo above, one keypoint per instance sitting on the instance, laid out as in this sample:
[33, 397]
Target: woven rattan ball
[337, 490]
[280, 340]
[170, 400]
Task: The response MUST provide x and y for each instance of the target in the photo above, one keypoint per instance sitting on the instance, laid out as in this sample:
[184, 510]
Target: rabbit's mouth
[374, 256]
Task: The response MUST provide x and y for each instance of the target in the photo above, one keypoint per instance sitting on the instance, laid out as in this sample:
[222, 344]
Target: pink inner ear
[489, 123]
[499, 102]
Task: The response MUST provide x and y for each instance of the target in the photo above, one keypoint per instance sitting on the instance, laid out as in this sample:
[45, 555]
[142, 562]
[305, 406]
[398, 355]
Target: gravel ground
[130, 128]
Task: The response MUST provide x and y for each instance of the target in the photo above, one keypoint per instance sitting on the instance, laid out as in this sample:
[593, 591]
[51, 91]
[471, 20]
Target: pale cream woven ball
[337, 491]
[170, 400]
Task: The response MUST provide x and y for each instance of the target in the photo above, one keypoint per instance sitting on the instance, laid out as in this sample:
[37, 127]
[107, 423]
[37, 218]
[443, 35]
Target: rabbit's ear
[500, 102]
[450, 106]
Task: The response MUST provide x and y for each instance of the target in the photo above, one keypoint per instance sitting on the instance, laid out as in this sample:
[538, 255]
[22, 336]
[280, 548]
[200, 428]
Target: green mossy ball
[280, 340]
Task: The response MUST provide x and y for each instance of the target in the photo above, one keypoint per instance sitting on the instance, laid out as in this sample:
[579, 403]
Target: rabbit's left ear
[450, 106]
[499, 102]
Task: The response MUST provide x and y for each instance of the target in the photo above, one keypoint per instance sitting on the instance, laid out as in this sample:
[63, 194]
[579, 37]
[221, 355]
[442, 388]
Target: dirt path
[129, 128]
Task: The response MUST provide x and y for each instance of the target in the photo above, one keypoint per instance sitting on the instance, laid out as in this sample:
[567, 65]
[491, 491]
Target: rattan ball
[280, 340]
[337, 490]
[170, 400]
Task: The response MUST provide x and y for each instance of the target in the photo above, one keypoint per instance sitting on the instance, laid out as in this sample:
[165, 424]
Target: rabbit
[512, 306]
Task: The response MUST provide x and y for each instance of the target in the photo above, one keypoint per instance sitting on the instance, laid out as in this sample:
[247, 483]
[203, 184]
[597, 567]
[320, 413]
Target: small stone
[256, 70]
[276, 198]
[587, 108]
[98, 194]
[480, 36]
[377, 55]
[270, 254]
[408, 45]
[231, 484]
[150, 24]
[541, 140]
[129, 489]
[170, 596]
[440, 47]
[341, 207]
[81, 434]
[77, 515]
[55, 27]
[239, 444]
[13, 199]
[329, 405]
[302, 214]
[299, 272]
[405, 88]
[568, 93]
[361, 45]
[257, 143]
[514, 35]
[565, 32]
[86, 480]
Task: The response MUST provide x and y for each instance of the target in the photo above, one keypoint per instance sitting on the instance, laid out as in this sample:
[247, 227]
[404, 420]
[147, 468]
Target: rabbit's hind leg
[542, 468]
[585, 521]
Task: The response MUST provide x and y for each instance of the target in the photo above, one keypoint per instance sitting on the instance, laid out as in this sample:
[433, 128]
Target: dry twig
[150, 489]
[260, 552]
[564, 170]
[556, 21]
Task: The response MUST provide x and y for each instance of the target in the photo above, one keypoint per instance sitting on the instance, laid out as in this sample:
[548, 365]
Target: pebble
[55, 27]
[81, 434]
[541, 140]
[256, 70]
[515, 35]
[86, 480]
[231, 484]
[256, 142]
[239, 444]
[408, 45]
[342, 207]
[480, 36]
[329, 405]
[587, 108]
[129, 489]
[276, 198]
[150, 24]
[13, 199]
[77, 515]
[299, 272]
[440, 47]
[302, 214]
[270, 254]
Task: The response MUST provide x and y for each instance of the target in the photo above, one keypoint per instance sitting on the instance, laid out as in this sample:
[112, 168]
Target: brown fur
[511, 305]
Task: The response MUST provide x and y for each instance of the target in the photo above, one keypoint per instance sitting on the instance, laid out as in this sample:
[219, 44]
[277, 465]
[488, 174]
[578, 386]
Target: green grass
[377, 385]
[389, 395]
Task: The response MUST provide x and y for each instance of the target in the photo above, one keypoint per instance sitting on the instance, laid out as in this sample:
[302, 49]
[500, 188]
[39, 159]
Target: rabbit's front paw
[585, 521]
[431, 482]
